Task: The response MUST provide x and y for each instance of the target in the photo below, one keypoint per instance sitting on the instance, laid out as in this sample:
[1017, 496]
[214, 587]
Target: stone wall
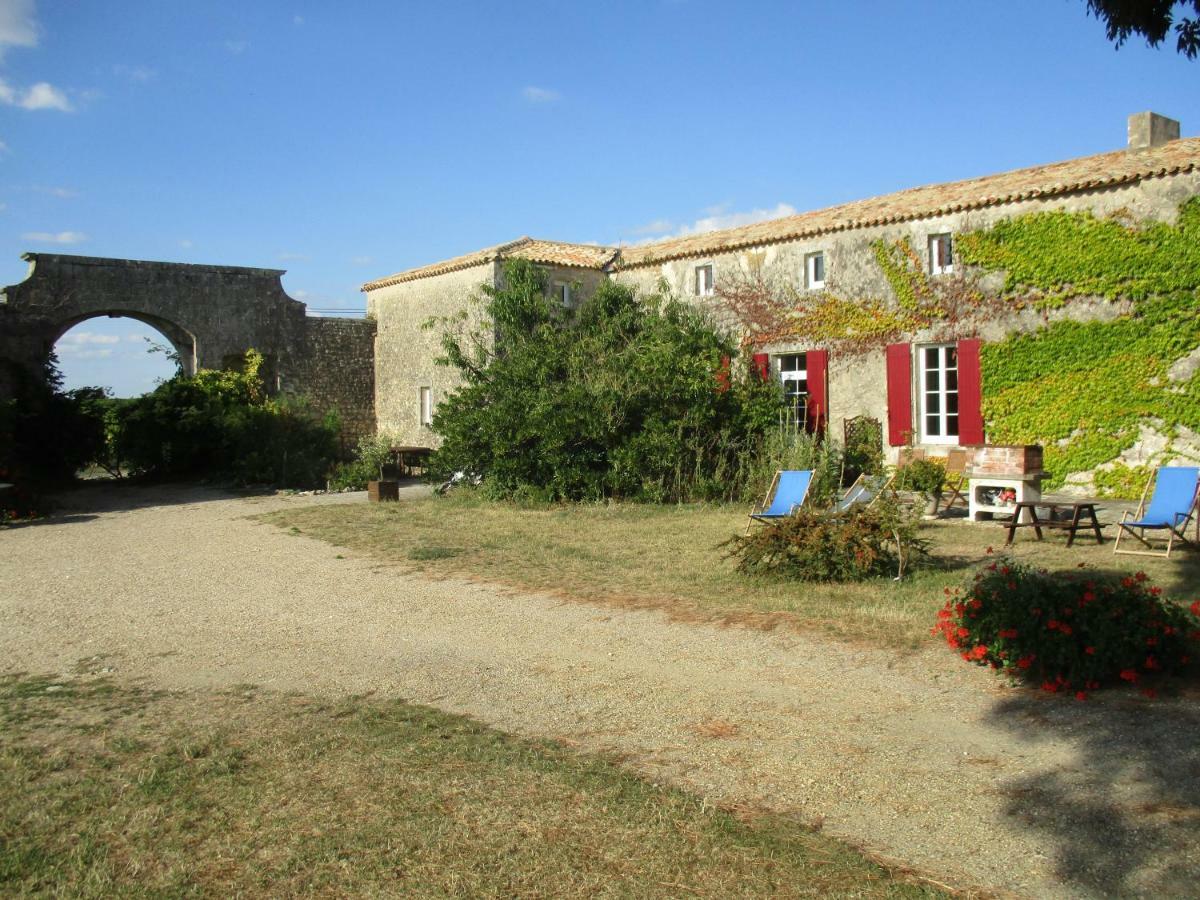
[338, 373]
[405, 351]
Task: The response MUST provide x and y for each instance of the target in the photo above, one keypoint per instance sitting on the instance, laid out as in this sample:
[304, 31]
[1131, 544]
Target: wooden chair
[956, 479]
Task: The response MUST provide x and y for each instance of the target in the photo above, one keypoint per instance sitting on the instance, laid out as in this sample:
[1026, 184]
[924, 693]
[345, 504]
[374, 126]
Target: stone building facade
[830, 250]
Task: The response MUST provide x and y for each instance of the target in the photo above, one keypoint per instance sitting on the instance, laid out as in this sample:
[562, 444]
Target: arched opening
[128, 353]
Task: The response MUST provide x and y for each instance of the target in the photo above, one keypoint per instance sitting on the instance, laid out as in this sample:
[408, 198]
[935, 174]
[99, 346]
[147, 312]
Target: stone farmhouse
[925, 386]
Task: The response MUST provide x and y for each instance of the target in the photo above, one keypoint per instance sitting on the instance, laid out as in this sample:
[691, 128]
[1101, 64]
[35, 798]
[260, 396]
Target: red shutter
[723, 375]
[817, 365]
[899, 394]
[762, 362]
[970, 384]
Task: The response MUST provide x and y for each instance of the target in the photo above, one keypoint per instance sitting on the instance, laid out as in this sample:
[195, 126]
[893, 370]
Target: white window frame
[706, 285]
[425, 405]
[941, 253]
[787, 376]
[943, 393]
[811, 282]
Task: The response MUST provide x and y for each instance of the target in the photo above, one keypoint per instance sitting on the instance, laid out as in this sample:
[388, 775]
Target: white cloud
[715, 219]
[540, 95]
[300, 294]
[61, 193]
[3, 147]
[18, 24]
[658, 226]
[139, 74]
[61, 237]
[236, 47]
[185, 244]
[89, 337]
[77, 351]
[361, 260]
[289, 257]
[41, 96]
[297, 20]
[3, 207]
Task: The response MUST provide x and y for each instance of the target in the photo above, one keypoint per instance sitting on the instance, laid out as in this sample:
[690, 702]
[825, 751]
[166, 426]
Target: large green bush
[630, 396]
[220, 424]
[46, 433]
[1076, 630]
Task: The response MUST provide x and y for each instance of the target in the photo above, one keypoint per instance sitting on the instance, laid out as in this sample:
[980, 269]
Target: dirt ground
[923, 760]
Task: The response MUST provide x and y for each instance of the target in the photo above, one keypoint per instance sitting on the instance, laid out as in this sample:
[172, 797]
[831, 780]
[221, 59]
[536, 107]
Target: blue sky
[344, 141]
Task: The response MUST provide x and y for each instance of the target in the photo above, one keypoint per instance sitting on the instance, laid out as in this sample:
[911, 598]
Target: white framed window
[704, 280]
[562, 291]
[425, 402]
[814, 271]
[793, 373]
[941, 254]
[938, 373]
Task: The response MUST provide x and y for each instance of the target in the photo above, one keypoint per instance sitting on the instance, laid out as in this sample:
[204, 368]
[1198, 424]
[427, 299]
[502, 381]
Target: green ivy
[1060, 255]
[1084, 389]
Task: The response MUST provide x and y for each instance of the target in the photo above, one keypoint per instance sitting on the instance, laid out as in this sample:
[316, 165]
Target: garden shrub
[629, 396]
[817, 545]
[373, 453]
[922, 476]
[220, 424]
[1076, 630]
[789, 446]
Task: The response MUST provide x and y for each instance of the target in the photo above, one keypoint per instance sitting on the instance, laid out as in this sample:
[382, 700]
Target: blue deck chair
[865, 491]
[1171, 506]
[787, 491]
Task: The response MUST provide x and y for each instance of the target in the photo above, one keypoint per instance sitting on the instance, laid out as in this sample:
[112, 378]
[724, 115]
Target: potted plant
[925, 477]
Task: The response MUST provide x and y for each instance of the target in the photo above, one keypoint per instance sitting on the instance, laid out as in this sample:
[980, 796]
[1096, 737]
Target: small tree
[629, 396]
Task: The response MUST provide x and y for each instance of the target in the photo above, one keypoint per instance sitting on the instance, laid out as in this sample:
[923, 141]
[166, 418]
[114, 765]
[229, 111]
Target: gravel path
[925, 761]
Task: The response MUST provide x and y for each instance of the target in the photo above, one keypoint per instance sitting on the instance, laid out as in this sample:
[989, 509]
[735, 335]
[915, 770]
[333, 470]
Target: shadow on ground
[1124, 818]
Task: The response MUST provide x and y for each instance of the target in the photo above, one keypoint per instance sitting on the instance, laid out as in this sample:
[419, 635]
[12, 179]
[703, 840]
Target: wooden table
[1071, 525]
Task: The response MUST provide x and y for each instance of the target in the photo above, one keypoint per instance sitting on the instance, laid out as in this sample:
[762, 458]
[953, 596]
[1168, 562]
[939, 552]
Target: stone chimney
[1149, 129]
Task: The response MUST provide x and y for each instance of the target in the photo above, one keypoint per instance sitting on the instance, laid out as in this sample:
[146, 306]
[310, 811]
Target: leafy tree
[627, 397]
[1150, 18]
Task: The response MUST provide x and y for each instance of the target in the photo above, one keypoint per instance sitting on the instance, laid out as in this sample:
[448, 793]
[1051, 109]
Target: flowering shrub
[817, 545]
[1069, 631]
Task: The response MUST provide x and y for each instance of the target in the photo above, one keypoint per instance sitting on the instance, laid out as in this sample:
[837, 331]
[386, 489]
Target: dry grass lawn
[110, 791]
[670, 557]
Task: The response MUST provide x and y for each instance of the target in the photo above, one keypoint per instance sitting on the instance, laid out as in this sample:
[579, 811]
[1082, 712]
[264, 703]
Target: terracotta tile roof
[556, 253]
[1086, 173]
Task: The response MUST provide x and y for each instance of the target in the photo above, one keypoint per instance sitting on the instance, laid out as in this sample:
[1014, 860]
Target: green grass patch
[668, 557]
[240, 793]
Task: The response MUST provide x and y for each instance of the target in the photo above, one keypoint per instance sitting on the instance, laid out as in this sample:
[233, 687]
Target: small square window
[426, 406]
[814, 271]
[704, 281]
[941, 254]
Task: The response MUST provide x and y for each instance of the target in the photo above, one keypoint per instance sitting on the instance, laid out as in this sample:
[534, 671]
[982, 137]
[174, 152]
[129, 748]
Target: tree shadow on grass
[1123, 817]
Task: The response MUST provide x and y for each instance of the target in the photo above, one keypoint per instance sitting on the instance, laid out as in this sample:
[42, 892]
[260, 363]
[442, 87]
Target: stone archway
[211, 314]
[181, 340]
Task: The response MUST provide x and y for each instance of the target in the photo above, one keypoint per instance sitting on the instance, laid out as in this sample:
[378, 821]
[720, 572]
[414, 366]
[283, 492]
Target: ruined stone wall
[337, 373]
[857, 384]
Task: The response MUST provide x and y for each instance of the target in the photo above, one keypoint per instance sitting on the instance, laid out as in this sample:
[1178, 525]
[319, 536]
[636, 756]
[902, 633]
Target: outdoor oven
[1001, 477]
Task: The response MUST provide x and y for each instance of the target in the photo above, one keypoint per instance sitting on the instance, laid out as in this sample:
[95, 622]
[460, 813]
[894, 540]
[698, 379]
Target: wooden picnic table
[1053, 519]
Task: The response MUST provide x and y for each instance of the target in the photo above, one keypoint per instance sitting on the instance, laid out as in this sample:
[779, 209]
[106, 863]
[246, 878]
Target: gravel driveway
[921, 760]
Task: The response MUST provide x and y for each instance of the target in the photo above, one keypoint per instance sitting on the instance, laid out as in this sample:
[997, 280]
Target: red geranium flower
[1129, 675]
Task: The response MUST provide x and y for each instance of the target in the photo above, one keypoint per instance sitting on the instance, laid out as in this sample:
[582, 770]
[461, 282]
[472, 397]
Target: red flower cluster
[1070, 631]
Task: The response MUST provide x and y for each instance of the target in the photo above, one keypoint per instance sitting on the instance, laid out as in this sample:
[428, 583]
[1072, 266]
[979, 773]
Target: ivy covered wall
[1090, 390]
